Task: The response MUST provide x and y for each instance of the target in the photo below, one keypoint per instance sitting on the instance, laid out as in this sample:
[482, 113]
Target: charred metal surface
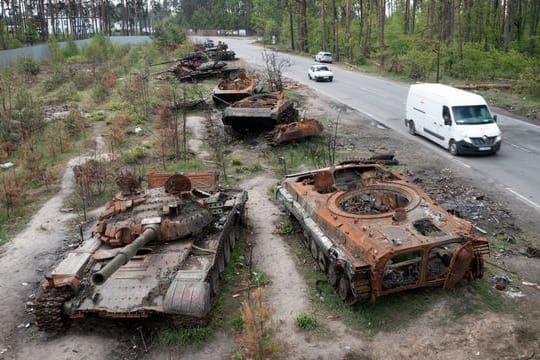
[373, 233]
[260, 112]
[295, 130]
[154, 251]
[195, 66]
[231, 90]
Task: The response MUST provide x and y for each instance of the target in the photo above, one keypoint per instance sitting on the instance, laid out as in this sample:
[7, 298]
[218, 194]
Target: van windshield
[471, 115]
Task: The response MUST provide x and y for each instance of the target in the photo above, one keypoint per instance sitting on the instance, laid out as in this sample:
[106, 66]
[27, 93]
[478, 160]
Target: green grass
[185, 336]
[188, 165]
[307, 322]
[286, 229]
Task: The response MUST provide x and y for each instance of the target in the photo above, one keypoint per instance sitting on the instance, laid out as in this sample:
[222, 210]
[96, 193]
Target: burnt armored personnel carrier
[373, 233]
[158, 251]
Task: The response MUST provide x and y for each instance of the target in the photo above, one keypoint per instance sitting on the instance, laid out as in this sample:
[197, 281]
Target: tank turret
[154, 251]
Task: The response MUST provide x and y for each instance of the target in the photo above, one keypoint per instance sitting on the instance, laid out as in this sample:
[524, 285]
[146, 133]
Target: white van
[458, 120]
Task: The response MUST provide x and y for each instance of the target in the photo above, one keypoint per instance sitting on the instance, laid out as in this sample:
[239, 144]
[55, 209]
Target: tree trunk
[406, 16]
[382, 19]
[533, 25]
[413, 15]
[348, 19]
[335, 45]
[302, 25]
[291, 24]
[324, 36]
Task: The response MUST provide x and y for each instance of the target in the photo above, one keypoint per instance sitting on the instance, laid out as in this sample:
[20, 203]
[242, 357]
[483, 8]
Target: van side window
[446, 113]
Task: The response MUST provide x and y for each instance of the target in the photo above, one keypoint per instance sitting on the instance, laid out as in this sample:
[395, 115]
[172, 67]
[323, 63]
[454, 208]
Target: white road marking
[524, 199]
[462, 163]
[521, 148]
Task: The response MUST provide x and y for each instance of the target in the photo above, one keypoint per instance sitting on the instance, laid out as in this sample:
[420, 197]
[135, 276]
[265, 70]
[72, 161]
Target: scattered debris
[7, 165]
[500, 282]
[295, 130]
[533, 252]
[229, 91]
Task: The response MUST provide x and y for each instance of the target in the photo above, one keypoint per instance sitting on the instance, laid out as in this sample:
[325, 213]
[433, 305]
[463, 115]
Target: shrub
[286, 229]
[135, 155]
[70, 49]
[306, 322]
[28, 66]
[57, 78]
[82, 79]
[100, 93]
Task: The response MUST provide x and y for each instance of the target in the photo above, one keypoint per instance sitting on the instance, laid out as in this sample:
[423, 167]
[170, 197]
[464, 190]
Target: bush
[306, 322]
[135, 155]
[100, 93]
[28, 66]
[167, 32]
[98, 50]
[57, 78]
[70, 49]
[82, 79]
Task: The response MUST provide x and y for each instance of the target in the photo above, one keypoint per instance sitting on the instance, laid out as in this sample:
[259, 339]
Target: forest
[481, 40]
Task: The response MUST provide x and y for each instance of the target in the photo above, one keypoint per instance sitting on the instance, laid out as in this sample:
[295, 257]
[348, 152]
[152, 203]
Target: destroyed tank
[159, 251]
[373, 233]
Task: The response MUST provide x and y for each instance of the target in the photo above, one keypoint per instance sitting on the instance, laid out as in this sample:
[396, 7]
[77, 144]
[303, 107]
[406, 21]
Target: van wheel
[452, 148]
[411, 127]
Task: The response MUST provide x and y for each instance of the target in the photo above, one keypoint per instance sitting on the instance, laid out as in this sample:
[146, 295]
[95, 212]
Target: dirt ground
[52, 232]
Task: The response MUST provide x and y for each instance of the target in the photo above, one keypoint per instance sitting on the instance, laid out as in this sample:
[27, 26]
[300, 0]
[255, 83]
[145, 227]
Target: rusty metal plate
[459, 265]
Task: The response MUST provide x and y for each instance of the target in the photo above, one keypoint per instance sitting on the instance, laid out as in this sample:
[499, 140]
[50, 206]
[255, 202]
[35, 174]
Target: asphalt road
[516, 168]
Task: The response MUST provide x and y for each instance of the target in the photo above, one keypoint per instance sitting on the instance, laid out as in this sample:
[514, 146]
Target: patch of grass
[236, 162]
[97, 116]
[306, 322]
[296, 156]
[115, 105]
[185, 336]
[286, 229]
[259, 279]
[252, 169]
[188, 165]
[294, 96]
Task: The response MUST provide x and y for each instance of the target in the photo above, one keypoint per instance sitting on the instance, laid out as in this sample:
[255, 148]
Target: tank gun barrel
[149, 234]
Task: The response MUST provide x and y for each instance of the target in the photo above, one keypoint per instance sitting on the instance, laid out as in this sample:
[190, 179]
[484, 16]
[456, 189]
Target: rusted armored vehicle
[260, 112]
[158, 251]
[228, 91]
[292, 131]
[374, 233]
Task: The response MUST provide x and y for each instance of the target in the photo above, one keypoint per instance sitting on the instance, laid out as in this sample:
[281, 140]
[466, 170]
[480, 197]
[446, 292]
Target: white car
[324, 56]
[320, 72]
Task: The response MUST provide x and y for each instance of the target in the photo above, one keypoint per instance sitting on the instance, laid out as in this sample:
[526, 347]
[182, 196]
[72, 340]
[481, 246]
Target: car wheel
[412, 129]
[309, 76]
[331, 79]
[452, 148]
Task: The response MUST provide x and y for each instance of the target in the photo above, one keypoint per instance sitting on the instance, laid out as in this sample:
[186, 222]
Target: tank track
[48, 309]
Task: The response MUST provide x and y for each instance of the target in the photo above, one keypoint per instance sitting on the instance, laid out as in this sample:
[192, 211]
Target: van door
[434, 127]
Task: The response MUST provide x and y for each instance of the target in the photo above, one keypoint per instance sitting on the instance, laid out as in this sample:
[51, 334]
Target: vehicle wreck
[373, 233]
[228, 91]
[260, 112]
[292, 131]
[157, 251]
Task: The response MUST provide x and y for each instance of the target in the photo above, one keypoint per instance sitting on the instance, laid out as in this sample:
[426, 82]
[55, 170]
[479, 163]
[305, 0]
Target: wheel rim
[412, 130]
[453, 148]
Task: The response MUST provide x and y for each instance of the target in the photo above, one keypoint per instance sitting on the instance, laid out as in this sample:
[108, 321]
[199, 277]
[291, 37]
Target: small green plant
[236, 162]
[99, 93]
[28, 66]
[259, 278]
[286, 229]
[134, 155]
[97, 116]
[236, 322]
[307, 322]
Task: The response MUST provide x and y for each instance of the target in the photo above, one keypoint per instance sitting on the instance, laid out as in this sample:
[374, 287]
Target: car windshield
[471, 115]
[321, 68]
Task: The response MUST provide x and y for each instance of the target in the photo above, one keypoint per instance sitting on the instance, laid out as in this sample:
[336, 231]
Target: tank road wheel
[220, 260]
[214, 281]
[332, 273]
[314, 249]
[412, 129]
[227, 251]
[344, 290]
[322, 262]
[48, 309]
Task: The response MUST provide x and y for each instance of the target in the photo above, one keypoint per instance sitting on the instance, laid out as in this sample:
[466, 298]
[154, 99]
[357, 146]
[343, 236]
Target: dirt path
[34, 251]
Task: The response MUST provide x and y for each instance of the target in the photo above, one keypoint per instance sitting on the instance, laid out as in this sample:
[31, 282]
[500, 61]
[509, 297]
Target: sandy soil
[25, 259]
